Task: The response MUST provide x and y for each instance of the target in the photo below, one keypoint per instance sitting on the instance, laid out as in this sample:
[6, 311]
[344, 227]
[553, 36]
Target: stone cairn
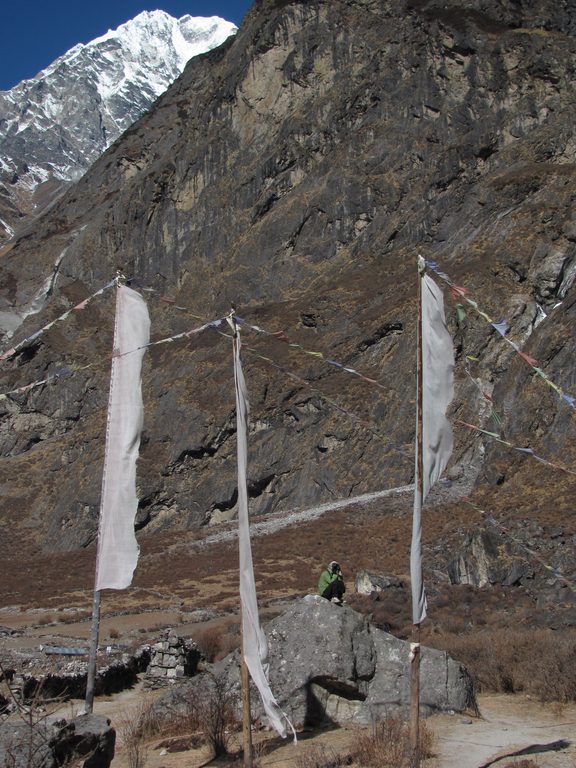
[172, 659]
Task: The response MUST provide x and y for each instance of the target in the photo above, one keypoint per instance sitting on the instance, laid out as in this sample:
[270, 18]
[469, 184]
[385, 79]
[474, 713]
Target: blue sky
[34, 33]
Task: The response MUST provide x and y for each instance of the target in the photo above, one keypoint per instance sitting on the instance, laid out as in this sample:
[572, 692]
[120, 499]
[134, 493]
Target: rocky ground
[507, 725]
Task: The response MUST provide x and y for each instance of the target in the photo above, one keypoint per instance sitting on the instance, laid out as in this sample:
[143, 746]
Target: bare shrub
[43, 620]
[522, 764]
[228, 643]
[215, 712]
[207, 714]
[555, 674]
[136, 727]
[209, 642]
[322, 757]
[388, 744]
[114, 633]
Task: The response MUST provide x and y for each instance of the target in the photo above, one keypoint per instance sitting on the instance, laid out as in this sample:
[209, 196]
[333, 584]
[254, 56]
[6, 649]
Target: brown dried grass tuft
[522, 764]
[135, 728]
[388, 745]
[217, 641]
[322, 757]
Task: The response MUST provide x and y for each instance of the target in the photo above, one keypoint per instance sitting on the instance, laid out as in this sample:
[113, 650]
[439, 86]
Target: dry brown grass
[388, 744]
[226, 634]
[539, 662]
[522, 764]
[136, 727]
[321, 756]
[287, 563]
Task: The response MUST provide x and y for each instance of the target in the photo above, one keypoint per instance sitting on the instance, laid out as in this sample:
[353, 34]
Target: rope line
[502, 327]
[81, 305]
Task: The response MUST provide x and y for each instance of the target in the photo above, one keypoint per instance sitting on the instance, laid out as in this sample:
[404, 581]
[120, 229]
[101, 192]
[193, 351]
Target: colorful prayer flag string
[184, 335]
[60, 374]
[81, 305]
[501, 327]
[69, 370]
[493, 413]
[281, 336]
[528, 451]
[353, 416]
[164, 299]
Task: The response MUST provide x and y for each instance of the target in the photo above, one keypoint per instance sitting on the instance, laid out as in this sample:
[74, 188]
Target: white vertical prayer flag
[117, 546]
[437, 365]
[255, 644]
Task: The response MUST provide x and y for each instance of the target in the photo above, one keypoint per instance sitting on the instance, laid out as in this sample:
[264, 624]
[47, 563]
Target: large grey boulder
[87, 736]
[21, 747]
[315, 647]
[50, 744]
[327, 662]
[445, 685]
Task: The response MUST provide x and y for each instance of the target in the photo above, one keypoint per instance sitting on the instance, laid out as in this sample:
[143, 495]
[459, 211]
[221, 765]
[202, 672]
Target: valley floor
[508, 724]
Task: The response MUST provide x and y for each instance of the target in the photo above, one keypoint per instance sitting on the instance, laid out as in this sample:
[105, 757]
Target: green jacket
[326, 578]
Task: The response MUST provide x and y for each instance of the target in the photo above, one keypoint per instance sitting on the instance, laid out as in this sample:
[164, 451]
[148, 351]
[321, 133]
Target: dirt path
[279, 520]
[508, 724]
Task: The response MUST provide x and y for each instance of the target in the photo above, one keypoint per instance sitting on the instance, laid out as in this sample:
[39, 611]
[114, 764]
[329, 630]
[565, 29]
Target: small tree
[213, 711]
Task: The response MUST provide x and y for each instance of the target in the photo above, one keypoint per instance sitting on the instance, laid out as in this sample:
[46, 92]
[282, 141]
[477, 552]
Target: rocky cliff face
[297, 171]
[54, 126]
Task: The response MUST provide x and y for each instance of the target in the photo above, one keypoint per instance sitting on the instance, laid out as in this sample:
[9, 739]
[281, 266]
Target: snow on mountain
[55, 125]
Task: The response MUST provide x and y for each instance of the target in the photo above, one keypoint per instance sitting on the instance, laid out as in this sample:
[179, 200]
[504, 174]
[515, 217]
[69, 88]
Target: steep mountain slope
[297, 171]
[54, 126]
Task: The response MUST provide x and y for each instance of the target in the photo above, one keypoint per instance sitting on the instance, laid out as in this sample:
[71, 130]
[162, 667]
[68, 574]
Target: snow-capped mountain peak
[154, 42]
[55, 125]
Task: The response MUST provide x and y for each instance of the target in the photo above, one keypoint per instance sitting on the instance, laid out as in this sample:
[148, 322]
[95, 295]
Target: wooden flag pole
[244, 673]
[92, 658]
[96, 600]
[415, 697]
[415, 645]
[246, 716]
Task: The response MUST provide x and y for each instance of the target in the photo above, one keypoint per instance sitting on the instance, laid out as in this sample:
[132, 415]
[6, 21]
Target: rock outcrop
[488, 558]
[366, 582]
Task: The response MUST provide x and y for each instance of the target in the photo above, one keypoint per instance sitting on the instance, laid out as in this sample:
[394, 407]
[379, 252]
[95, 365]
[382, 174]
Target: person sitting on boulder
[331, 583]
